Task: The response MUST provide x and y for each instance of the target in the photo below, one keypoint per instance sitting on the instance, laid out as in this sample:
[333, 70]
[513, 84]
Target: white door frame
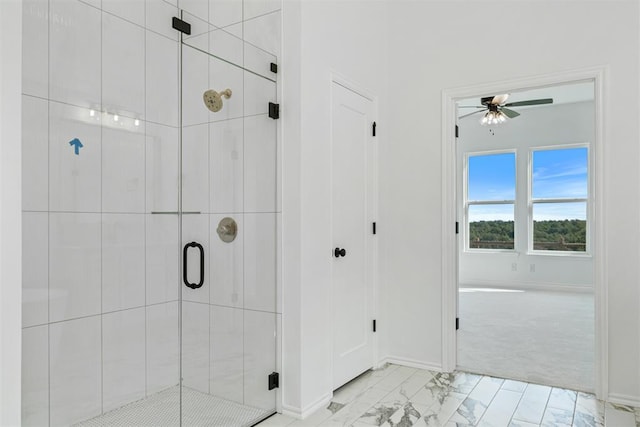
[449, 210]
[337, 78]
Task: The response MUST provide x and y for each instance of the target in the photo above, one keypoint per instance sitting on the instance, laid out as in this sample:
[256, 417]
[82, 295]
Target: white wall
[439, 45]
[545, 125]
[10, 210]
[331, 36]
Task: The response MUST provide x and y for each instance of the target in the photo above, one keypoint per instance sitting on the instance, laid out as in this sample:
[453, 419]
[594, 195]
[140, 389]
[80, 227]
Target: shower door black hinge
[373, 127]
[182, 26]
[374, 325]
[374, 228]
[457, 131]
[274, 68]
[457, 227]
[274, 380]
[457, 323]
[274, 111]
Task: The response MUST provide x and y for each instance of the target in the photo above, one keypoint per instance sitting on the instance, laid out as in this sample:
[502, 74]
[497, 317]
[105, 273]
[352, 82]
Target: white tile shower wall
[225, 45]
[226, 364]
[195, 69]
[123, 261]
[195, 346]
[162, 258]
[264, 31]
[161, 70]
[35, 154]
[195, 168]
[123, 174]
[132, 10]
[75, 370]
[162, 168]
[74, 53]
[260, 261]
[227, 264]
[259, 357]
[100, 306]
[74, 179]
[123, 362]
[222, 76]
[163, 347]
[35, 55]
[35, 278]
[35, 376]
[223, 13]
[226, 149]
[74, 265]
[254, 8]
[123, 78]
[259, 61]
[259, 164]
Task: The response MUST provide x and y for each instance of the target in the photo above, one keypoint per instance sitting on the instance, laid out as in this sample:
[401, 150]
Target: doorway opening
[522, 277]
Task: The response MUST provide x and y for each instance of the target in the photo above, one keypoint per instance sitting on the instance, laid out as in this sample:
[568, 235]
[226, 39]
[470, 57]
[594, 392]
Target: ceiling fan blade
[509, 113]
[471, 106]
[530, 102]
[471, 114]
[500, 99]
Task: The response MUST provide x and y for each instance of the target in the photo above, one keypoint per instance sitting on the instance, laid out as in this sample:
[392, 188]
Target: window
[490, 200]
[559, 199]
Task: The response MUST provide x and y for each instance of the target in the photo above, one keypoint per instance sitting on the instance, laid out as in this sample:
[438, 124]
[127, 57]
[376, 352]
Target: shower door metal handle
[185, 258]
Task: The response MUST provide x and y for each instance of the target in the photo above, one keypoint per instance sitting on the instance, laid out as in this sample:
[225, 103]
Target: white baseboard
[623, 399]
[292, 412]
[529, 286]
[302, 413]
[412, 363]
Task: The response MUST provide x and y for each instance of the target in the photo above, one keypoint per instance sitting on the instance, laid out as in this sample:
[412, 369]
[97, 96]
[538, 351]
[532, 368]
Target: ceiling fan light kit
[493, 118]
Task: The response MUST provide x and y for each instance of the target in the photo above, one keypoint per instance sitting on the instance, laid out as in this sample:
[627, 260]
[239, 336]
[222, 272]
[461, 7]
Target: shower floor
[162, 409]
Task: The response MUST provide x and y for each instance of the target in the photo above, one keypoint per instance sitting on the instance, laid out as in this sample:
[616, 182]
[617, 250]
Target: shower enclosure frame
[253, 221]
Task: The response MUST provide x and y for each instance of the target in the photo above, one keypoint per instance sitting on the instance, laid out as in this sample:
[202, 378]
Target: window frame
[467, 203]
[531, 202]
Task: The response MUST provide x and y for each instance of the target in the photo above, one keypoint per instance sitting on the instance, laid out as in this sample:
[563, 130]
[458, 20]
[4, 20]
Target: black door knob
[337, 252]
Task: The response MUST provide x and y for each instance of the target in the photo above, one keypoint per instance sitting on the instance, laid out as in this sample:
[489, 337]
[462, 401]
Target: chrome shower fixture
[213, 99]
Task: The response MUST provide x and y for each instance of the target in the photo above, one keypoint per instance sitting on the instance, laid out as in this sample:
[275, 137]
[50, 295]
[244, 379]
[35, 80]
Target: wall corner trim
[624, 399]
[302, 413]
[412, 363]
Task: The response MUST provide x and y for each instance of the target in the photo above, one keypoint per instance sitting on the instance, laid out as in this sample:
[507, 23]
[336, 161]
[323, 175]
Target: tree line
[568, 234]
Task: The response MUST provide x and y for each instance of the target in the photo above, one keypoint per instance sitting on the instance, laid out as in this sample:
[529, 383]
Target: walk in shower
[150, 211]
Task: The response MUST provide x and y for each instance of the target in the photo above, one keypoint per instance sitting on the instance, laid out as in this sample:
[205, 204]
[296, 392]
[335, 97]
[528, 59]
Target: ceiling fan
[496, 111]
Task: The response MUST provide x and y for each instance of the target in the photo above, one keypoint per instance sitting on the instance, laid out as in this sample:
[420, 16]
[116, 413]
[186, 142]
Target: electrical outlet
[532, 268]
[514, 266]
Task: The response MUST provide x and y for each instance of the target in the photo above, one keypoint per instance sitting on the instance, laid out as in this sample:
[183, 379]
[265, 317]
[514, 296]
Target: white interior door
[352, 218]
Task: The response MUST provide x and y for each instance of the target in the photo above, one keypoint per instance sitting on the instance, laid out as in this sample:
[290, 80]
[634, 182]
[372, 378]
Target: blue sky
[556, 174]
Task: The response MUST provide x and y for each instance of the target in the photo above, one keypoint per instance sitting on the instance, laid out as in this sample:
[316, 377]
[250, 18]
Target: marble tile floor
[398, 396]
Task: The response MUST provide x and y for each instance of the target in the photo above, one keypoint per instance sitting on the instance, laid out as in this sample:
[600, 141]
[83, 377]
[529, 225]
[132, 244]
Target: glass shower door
[228, 228]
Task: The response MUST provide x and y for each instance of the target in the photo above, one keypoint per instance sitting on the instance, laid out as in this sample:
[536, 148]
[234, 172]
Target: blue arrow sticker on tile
[77, 145]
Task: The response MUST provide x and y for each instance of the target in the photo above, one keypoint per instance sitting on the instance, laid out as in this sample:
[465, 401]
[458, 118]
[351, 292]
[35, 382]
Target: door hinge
[274, 68]
[457, 323]
[373, 127]
[374, 325]
[274, 380]
[180, 25]
[457, 227]
[457, 131]
[274, 111]
[374, 228]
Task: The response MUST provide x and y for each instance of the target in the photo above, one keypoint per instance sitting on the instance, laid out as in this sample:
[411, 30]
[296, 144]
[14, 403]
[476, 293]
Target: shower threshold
[198, 409]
